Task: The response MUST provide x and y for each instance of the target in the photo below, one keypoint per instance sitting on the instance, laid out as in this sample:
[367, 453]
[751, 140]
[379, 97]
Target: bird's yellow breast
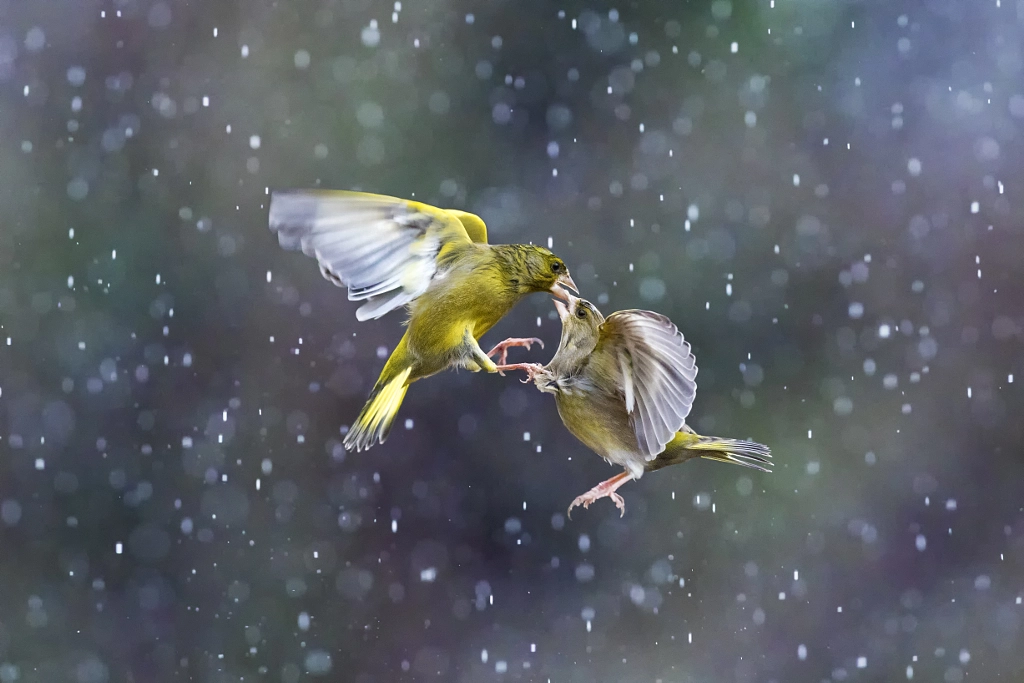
[471, 294]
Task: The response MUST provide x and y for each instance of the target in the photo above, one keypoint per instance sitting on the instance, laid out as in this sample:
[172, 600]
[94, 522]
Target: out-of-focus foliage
[824, 196]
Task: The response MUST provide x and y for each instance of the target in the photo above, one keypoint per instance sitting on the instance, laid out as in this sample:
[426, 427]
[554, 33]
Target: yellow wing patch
[474, 225]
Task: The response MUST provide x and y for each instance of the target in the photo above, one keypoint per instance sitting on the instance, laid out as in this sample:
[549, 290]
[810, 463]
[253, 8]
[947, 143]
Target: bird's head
[536, 269]
[581, 328]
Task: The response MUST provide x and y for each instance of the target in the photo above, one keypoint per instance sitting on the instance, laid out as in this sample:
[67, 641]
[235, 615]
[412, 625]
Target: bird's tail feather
[735, 451]
[374, 421]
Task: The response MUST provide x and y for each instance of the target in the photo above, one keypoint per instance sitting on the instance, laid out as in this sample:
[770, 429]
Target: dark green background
[143, 395]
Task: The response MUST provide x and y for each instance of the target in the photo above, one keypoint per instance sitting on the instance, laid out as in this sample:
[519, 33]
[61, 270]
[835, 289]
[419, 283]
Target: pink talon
[532, 370]
[504, 346]
[606, 489]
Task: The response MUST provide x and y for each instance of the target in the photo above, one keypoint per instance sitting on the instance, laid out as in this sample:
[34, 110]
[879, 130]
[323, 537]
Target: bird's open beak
[564, 280]
[563, 312]
[567, 309]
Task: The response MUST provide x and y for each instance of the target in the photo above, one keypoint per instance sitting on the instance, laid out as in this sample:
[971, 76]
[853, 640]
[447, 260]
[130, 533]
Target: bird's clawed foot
[606, 489]
[532, 370]
[504, 346]
[593, 495]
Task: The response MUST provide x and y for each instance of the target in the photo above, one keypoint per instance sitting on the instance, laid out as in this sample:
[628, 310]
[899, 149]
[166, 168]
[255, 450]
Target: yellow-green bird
[624, 386]
[392, 253]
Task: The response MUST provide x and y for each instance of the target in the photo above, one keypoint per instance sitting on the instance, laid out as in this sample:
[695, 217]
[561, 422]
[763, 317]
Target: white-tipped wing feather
[383, 249]
[658, 373]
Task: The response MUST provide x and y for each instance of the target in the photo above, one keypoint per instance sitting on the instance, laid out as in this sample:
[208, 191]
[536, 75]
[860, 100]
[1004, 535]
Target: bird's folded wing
[474, 225]
[383, 249]
[656, 371]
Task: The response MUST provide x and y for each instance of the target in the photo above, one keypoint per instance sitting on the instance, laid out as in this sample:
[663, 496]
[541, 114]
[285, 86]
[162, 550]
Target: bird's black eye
[581, 313]
[555, 267]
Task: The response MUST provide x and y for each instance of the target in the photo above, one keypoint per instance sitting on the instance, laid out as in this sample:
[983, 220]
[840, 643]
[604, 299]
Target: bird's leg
[511, 342]
[477, 355]
[532, 370]
[606, 489]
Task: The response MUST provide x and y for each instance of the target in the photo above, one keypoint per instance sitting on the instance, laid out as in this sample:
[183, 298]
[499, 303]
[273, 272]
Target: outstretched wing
[384, 249]
[656, 373]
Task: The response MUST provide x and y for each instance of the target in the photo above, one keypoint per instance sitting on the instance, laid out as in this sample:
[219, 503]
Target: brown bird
[624, 387]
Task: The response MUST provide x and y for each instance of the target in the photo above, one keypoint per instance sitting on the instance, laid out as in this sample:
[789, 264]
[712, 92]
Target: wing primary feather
[627, 380]
[382, 304]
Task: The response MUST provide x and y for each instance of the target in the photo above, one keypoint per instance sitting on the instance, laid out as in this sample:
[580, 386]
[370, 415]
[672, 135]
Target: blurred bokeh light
[820, 195]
